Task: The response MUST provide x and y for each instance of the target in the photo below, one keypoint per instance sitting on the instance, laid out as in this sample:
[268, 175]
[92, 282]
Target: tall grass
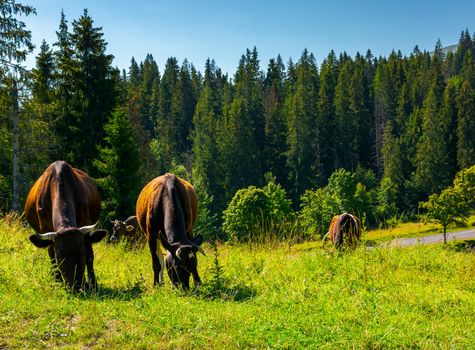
[277, 296]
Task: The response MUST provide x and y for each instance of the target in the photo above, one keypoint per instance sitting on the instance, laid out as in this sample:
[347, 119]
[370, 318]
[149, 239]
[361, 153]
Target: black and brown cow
[167, 210]
[128, 229]
[62, 207]
[345, 231]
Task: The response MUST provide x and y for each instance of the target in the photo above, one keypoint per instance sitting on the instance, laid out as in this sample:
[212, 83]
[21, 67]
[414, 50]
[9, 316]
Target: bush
[316, 212]
[257, 213]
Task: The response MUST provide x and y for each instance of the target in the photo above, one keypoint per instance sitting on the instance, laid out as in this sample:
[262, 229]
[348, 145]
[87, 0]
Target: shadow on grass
[225, 292]
[467, 246]
[110, 293]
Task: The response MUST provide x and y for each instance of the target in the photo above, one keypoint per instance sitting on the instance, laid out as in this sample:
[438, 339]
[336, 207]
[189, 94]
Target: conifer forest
[390, 130]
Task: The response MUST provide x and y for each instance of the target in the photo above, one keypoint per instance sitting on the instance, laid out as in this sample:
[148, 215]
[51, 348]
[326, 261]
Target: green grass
[277, 296]
[414, 229]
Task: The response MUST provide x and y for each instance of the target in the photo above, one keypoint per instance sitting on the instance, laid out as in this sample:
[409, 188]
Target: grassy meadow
[264, 296]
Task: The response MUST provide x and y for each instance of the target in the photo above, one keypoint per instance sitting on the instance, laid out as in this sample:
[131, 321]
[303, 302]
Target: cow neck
[174, 220]
[64, 211]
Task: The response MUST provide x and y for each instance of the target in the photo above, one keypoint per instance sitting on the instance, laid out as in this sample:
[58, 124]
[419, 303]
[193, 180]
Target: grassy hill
[276, 296]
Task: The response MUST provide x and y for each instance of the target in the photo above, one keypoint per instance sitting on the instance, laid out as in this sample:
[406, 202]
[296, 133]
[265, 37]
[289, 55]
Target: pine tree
[393, 160]
[346, 146]
[237, 148]
[94, 86]
[466, 126]
[147, 90]
[431, 173]
[15, 45]
[301, 115]
[449, 122]
[325, 122]
[169, 112]
[274, 127]
[465, 44]
[37, 133]
[118, 163]
[206, 166]
[65, 125]
[361, 114]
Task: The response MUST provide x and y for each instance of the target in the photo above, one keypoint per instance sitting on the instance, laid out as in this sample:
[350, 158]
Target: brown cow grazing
[62, 207]
[128, 228]
[345, 231]
[167, 209]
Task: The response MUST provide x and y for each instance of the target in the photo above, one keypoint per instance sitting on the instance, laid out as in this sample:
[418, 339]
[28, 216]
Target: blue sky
[223, 30]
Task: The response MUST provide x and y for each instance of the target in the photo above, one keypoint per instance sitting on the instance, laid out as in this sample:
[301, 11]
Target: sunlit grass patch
[263, 295]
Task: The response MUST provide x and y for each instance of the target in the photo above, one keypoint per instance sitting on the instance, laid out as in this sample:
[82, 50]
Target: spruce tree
[466, 126]
[15, 45]
[301, 115]
[207, 169]
[94, 86]
[238, 153]
[361, 113]
[274, 127]
[346, 143]
[118, 164]
[325, 151]
[431, 173]
[65, 125]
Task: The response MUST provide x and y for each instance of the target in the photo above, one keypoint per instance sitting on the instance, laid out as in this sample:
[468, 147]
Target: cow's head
[120, 229]
[182, 262]
[71, 250]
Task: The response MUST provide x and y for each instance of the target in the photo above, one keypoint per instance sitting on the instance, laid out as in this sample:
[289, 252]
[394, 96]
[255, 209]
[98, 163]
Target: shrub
[257, 212]
[316, 212]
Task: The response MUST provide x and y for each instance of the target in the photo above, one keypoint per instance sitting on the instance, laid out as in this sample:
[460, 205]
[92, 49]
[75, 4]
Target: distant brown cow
[167, 210]
[62, 207]
[128, 229]
[345, 231]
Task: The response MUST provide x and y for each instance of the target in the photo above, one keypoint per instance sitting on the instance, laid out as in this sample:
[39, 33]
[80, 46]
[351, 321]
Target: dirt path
[438, 238]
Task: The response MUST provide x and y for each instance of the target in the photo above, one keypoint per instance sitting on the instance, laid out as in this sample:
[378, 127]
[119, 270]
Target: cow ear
[96, 236]
[198, 240]
[40, 243]
[129, 228]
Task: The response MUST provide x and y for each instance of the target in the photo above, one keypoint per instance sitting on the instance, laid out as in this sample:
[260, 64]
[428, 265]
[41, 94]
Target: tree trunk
[445, 234]
[15, 194]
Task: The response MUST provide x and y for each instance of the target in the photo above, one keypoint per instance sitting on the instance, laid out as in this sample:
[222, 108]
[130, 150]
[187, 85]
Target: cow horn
[47, 236]
[201, 250]
[87, 229]
[178, 251]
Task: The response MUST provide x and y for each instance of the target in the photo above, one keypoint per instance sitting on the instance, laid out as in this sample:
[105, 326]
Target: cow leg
[90, 267]
[54, 264]
[196, 278]
[156, 263]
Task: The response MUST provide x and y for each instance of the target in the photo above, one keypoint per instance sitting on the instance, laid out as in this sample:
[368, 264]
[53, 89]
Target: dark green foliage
[239, 157]
[325, 151]
[432, 150]
[118, 164]
[274, 128]
[408, 119]
[15, 45]
[87, 90]
[301, 115]
[466, 120]
[206, 165]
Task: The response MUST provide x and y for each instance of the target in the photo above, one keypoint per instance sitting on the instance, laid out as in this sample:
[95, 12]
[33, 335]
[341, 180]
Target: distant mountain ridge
[447, 49]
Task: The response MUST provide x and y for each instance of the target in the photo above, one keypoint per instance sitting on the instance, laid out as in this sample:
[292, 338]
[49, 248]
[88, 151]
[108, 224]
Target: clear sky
[224, 29]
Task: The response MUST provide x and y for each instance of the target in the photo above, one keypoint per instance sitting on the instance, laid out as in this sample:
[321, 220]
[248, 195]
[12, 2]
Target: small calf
[128, 228]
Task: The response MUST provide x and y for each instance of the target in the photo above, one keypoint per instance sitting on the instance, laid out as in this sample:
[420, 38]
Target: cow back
[62, 196]
[149, 205]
